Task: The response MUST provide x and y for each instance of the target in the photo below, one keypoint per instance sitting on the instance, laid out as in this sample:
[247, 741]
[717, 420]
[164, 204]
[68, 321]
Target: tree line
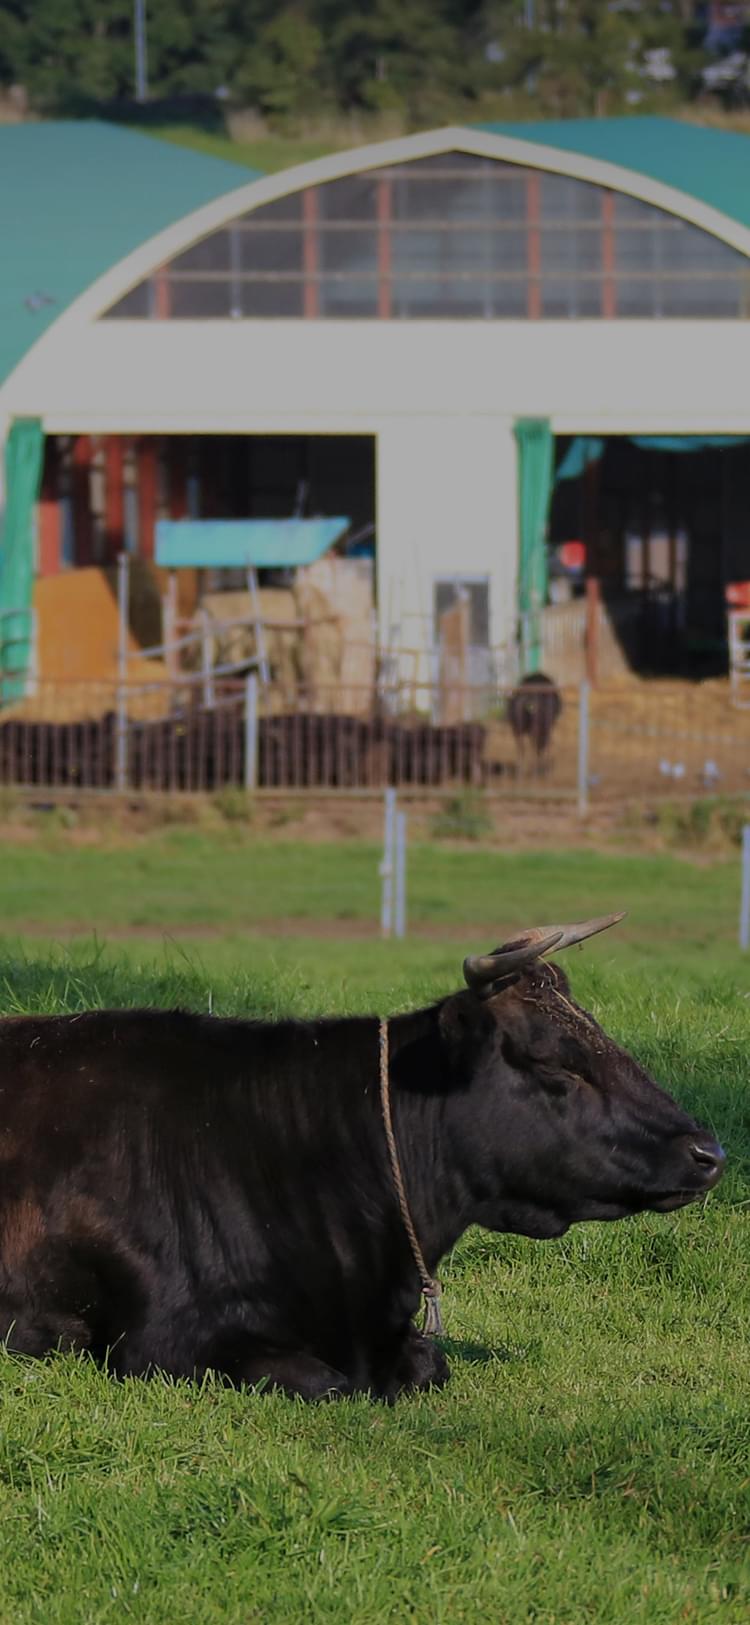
[424, 60]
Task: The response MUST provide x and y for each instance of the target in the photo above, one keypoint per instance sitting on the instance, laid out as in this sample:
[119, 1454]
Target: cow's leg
[286, 1370]
[419, 1364]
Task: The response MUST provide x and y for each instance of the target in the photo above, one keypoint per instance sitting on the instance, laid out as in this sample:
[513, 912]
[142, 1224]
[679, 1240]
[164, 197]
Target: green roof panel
[77, 197]
[711, 165]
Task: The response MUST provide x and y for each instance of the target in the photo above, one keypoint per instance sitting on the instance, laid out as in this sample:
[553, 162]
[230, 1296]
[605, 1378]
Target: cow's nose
[710, 1156]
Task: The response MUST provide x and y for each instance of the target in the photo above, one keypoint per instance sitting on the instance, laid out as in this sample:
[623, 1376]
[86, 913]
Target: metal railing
[609, 742]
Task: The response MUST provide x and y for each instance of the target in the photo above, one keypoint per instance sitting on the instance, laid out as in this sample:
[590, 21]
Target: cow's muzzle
[703, 1161]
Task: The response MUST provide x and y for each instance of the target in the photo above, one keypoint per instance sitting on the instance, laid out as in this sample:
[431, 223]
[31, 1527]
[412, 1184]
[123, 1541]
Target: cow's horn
[486, 969]
[569, 935]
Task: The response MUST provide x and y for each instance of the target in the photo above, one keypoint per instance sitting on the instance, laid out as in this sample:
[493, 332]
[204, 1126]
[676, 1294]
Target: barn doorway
[663, 526]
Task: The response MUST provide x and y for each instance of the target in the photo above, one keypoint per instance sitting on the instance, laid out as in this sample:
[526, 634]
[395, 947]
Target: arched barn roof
[90, 209]
[75, 198]
[710, 165]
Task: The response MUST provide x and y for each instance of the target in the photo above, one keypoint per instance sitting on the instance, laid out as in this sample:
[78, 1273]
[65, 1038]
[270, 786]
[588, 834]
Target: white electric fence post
[400, 918]
[583, 749]
[251, 731]
[745, 899]
[386, 867]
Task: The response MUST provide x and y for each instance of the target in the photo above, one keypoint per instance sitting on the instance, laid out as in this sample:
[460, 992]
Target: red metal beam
[83, 539]
[50, 523]
[609, 285]
[146, 465]
[114, 496]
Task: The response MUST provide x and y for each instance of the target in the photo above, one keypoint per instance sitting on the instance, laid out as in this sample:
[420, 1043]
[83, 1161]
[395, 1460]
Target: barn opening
[106, 494]
[662, 523]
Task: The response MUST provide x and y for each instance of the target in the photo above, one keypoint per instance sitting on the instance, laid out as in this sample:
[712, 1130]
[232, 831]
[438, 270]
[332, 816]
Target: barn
[511, 359]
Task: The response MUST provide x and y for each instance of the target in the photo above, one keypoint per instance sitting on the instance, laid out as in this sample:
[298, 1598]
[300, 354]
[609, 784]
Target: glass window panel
[689, 248]
[632, 209]
[457, 251]
[561, 198]
[431, 297]
[348, 298]
[457, 246]
[636, 248]
[284, 208]
[510, 299]
[696, 296]
[348, 250]
[270, 250]
[194, 299]
[570, 296]
[354, 198]
[210, 254]
[275, 298]
[637, 296]
[135, 304]
[441, 163]
[566, 249]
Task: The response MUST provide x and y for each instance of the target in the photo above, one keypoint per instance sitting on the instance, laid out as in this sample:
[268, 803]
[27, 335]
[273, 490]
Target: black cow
[533, 709]
[184, 1193]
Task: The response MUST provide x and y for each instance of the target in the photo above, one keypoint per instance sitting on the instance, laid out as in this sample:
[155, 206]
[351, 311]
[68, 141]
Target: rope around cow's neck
[433, 1324]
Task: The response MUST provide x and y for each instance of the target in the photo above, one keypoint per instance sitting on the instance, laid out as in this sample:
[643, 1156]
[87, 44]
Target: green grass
[590, 1460]
[268, 153]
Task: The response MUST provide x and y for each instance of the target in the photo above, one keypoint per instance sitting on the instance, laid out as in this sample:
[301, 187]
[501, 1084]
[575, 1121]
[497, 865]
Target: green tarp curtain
[586, 449]
[536, 456]
[24, 453]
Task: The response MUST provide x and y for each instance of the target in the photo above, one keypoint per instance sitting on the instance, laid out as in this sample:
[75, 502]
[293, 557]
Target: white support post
[400, 912]
[123, 627]
[745, 898]
[583, 749]
[386, 867]
[169, 627]
[251, 731]
[206, 661]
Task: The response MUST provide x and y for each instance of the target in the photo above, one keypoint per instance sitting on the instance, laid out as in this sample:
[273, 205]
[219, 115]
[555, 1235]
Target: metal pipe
[583, 749]
[400, 917]
[251, 731]
[745, 899]
[386, 867]
[141, 50]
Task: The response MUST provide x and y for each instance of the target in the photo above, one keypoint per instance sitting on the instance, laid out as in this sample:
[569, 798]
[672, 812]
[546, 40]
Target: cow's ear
[465, 1024]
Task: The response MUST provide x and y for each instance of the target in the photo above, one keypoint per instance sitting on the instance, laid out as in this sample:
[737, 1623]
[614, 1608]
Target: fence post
[745, 899]
[121, 728]
[583, 749]
[400, 919]
[206, 661]
[593, 614]
[386, 867]
[251, 731]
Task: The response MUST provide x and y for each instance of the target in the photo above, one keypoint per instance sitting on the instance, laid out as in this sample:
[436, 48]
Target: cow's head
[562, 1125]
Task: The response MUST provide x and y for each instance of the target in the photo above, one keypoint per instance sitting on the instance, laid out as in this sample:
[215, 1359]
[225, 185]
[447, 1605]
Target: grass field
[590, 1460]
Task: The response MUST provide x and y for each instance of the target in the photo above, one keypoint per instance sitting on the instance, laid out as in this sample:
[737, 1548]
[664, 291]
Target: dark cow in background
[533, 709]
[183, 1193]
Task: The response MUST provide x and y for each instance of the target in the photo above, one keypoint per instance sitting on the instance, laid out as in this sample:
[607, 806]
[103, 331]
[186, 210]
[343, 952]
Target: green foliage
[234, 805]
[714, 825]
[462, 818]
[421, 59]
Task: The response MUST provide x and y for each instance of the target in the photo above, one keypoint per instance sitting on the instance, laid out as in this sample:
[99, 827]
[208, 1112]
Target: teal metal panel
[237, 543]
[75, 198]
[711, 165]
